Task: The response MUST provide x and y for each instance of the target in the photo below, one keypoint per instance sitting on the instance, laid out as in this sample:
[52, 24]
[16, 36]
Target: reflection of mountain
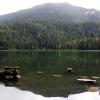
[62, 12]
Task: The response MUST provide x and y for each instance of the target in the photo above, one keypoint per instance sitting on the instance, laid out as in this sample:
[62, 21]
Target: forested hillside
[51, 28]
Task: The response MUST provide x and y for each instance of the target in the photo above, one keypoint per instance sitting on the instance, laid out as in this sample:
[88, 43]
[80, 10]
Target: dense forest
[46, 35]
[49, 33]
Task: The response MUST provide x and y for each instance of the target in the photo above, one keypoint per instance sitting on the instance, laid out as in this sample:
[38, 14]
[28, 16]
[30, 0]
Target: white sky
[8, 6]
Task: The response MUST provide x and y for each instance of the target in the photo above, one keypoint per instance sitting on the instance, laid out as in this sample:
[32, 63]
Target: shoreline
[13, 93]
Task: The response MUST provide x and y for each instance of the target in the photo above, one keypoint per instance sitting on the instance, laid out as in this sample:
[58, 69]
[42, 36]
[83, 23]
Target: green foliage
[50, 35]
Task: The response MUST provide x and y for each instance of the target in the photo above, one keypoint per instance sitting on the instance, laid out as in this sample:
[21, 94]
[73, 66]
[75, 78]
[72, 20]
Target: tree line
[50, 35]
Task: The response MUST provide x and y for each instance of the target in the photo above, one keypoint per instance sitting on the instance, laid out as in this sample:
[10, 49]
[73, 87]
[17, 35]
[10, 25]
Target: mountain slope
[53, 12]
[51, 26]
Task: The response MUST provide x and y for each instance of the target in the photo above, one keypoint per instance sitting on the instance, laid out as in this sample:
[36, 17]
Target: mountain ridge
[53, 12]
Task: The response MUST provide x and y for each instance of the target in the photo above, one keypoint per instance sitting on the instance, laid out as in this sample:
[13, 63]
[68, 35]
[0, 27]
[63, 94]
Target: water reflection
[52, 63]
[83, 62]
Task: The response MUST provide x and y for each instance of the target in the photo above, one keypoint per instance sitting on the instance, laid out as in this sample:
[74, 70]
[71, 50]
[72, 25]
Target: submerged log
[95, 77]
[55, 75]
[93, 89]
[87, 81]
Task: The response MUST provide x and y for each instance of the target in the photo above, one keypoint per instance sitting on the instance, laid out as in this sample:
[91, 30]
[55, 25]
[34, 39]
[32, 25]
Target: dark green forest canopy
[51, 26]
[50, 35]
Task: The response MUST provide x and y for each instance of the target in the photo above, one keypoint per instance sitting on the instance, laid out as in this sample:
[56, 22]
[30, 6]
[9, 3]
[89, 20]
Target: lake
[44, 72]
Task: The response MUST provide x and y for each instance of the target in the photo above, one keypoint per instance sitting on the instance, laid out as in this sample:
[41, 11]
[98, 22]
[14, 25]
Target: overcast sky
[8, 6]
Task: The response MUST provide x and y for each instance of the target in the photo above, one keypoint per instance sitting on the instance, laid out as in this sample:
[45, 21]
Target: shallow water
[44, 72]
[12, 93]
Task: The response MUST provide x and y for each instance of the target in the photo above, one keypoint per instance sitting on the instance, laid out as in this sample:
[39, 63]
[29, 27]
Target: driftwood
[10, 73]
[90, 81]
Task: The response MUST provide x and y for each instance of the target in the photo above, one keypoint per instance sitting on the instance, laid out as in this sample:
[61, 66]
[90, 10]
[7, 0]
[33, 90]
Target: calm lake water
[44, 72]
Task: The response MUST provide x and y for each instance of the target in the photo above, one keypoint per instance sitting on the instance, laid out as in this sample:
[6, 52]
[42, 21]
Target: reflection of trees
[80, 61]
